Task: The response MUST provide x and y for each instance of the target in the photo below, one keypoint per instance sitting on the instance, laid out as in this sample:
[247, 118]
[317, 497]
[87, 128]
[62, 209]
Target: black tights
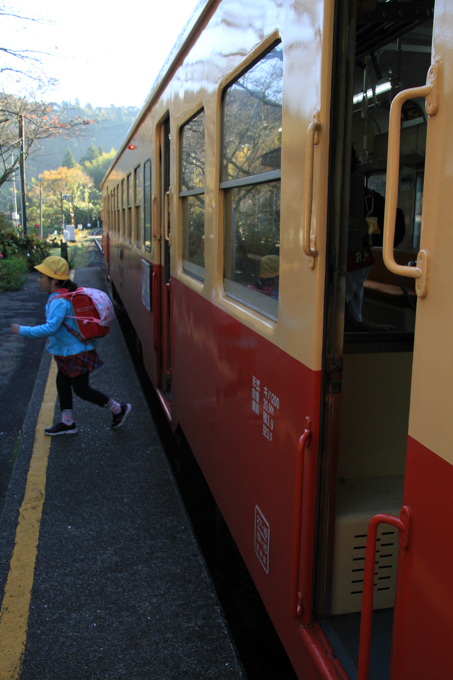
[81, 386]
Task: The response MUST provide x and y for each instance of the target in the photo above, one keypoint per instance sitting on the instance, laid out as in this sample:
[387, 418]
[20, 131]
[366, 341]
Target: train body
[258, 221]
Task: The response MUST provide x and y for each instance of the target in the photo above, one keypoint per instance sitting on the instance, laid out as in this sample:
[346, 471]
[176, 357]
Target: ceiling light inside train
[384, 87]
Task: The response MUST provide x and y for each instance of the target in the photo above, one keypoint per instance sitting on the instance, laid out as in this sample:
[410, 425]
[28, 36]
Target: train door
[164, 346]
[377, 164]
[423, 622]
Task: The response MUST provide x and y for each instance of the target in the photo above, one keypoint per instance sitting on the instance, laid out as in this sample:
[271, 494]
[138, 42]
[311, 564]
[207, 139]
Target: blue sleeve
[55, 314]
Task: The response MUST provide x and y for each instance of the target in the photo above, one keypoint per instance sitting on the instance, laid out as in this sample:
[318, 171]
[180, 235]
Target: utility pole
[15, 215]
[22, 175]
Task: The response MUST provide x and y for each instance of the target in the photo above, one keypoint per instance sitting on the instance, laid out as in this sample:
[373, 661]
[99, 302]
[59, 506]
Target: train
[277, 226]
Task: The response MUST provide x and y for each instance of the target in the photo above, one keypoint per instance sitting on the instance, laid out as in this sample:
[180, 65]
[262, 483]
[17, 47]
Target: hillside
[108, 131]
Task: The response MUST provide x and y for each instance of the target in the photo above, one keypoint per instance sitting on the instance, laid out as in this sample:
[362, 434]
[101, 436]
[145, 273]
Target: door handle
[296, 596]
[154, 217]
[167, 203]
[155, 309]
[166, 326]
[431, 93]
[308, 238]
[402, 524]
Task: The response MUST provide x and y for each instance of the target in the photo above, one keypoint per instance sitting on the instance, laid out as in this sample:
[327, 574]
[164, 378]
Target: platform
[116, 586]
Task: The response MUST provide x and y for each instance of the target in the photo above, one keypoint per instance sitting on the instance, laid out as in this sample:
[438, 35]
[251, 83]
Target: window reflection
[193, 146]
[193, 194]
[193, 226]
[252, 116]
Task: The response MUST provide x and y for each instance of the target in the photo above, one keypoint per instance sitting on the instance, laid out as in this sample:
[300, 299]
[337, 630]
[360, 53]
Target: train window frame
[246, 294]
[186, 197]
[147, 205]
[137, 206]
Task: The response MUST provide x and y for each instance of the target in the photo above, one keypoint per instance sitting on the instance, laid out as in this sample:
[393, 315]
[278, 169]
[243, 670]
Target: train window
[129, 209]
[252, 133]
[112, 210]
[123, 209]
[138, 201]
[192, 194]
[118, 210]
[147, 204]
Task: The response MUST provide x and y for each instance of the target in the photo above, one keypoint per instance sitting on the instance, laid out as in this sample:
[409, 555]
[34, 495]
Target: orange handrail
[402, 524]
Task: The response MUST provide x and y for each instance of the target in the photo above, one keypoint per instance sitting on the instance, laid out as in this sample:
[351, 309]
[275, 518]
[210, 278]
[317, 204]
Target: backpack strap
[66, 296]
[71, 330]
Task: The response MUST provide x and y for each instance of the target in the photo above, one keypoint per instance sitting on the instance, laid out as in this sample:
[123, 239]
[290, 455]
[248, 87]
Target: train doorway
[165, 345]
[370, 317]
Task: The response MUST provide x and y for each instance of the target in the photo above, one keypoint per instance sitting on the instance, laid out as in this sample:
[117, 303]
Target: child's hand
[15, 328]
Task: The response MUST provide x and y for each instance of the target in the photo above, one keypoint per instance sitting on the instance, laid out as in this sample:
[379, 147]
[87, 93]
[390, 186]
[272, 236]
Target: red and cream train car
[291, 167]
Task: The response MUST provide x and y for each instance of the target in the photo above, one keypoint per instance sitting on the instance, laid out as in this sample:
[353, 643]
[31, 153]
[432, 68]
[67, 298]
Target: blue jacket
[61, 341]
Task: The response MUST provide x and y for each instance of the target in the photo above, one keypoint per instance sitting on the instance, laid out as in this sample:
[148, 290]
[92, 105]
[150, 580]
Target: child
[75, 359]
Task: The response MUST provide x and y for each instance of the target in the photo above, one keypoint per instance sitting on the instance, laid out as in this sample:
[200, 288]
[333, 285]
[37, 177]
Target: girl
[75, 359]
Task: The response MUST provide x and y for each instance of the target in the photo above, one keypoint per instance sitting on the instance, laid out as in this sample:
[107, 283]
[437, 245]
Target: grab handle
[155, 309]
[402, 524]
[167, 234]
[166, 325]
[156, 235]
[431, 93]
[296, 596]
[308, 238]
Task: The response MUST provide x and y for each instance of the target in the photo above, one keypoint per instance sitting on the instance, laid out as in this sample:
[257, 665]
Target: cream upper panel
[233, 39]
[235, 34]
[431, 421]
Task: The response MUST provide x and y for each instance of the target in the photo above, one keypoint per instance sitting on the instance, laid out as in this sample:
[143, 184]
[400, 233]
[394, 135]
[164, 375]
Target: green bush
[30, 249]
[13, 273]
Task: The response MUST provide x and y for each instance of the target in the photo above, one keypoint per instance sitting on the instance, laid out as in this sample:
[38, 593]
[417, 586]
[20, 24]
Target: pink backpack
[92, 311]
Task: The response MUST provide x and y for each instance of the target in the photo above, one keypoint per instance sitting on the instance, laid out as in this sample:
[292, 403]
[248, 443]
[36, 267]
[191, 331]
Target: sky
[102, 53]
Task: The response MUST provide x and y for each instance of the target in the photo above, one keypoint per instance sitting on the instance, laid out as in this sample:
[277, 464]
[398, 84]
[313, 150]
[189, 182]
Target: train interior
[367, 456]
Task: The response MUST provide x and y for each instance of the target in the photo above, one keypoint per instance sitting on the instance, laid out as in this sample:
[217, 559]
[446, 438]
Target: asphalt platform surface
[120, 589]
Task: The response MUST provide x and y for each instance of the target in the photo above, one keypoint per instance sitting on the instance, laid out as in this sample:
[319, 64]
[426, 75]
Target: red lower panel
[242, 403]
[423, 626]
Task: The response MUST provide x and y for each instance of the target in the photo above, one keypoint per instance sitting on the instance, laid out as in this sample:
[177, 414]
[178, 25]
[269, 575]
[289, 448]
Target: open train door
[383, 583]
[423, 622]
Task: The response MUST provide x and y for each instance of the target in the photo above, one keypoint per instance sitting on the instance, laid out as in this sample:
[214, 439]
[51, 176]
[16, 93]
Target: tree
[25, 63]
[69, 160]
[68, 196]
[90, 155]
[39, 121]
[97, 168]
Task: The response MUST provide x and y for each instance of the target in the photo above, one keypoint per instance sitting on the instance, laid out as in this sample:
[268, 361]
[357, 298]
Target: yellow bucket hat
[269, 266]
[54, 267]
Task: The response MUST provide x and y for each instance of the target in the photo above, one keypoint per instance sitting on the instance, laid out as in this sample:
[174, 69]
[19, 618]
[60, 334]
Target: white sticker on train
[269, 406]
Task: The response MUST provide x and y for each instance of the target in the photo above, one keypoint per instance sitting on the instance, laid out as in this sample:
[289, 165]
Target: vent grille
[385, 570]
[350, 544]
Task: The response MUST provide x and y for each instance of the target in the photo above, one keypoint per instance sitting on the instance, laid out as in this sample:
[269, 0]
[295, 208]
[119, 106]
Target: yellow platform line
[16, 601]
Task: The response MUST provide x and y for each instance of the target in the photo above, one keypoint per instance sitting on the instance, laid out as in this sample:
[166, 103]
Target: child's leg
[67, 424]
[64, 391]
[81, 386]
